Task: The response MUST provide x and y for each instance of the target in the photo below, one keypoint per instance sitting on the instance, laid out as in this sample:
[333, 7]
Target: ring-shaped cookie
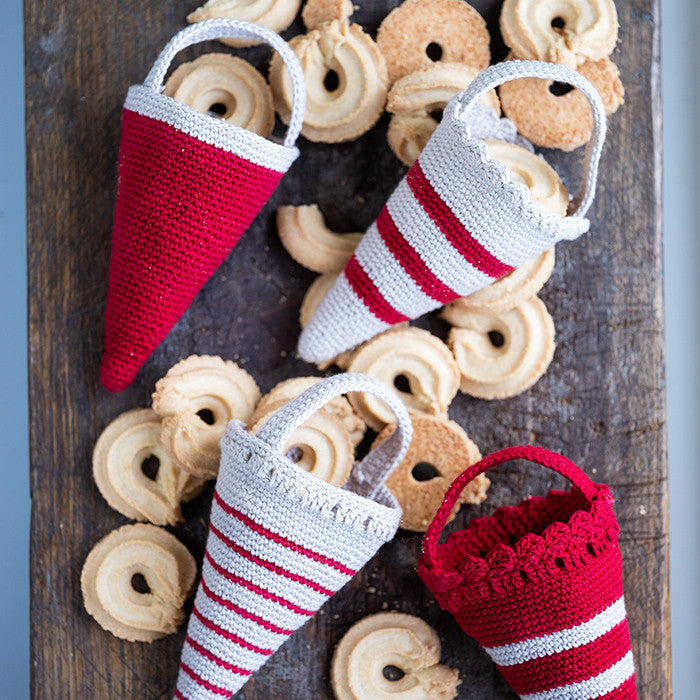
[305, 236]
[196, 399]
[554, 115]
[289, 389]
[136, 580]
[124, 460]
[346, 82]
[417, 365]
[440, 451]
[321, 445]
[416, 102]
[566, 31]
[419, 32]
[503, 355]
[226, 87]
[273, 14]
[387, 646]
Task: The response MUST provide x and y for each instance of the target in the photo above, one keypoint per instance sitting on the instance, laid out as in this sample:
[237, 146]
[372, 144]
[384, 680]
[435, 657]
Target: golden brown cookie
[196, 399]
[135, 582]
[314, 296]
[136, 475]
[391, 655]
[416, 364]
[310, 242]
[566, 31]
[419, 32]
[503, 355]
[317, 12]
[416, 102]
[321, 445]
[346, 82]
[289, 389]
[273, 14]
[503, 294]
[226, 87]
[440, 451]
[554, 115]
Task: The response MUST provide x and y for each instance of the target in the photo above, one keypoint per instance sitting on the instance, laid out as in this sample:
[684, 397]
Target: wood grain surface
[602, 402]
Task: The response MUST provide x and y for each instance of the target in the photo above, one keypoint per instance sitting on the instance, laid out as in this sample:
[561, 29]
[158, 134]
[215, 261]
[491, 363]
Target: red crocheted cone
[189, 186]
[539, 586]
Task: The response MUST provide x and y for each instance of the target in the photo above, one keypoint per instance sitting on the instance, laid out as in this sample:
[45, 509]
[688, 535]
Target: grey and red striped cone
[454, 224]
[281, 541]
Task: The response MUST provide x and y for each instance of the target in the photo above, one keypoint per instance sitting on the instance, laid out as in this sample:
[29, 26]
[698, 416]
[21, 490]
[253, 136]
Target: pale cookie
[503, 294]
[542, 181]
[346, 82]
[197, 398]
[321, 445]
[416, 102]
[135, 582]
[415, 364]
[391, 656]
[273, 14]
[289, 389]
[136, 475]
[555, 115]
[503, 355]
[419, 32]
[314, 296]
[566, 31]
[305, 236]
[225, 87]
[440, 451]
[317, 12]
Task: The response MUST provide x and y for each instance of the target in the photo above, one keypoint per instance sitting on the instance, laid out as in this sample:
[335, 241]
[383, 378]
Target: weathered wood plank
[602, 401]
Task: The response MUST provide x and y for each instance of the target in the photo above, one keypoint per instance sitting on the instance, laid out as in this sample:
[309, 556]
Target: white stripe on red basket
[586, 632]
[596, 687]
[586, 661]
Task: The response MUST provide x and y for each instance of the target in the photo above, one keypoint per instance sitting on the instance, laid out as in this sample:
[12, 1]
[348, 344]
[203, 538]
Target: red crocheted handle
[539, 455]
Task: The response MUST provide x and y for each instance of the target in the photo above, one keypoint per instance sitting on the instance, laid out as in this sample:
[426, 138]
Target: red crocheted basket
[189, 187]
[539, 585]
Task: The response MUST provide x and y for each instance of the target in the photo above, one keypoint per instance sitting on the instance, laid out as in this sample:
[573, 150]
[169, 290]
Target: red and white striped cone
[189, 187]
[539, 585]
[281, 541]
[453, 225]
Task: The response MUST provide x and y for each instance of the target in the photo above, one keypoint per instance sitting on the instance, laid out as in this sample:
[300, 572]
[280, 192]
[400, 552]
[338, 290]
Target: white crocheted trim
[291, 483]
[226, 28]
[216, 132]
[507, 221]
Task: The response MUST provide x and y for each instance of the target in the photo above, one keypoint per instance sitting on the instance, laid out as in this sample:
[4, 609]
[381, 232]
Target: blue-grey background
[681, 66]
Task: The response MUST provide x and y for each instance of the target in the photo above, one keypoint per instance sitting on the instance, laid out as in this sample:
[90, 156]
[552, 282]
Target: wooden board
[602, 402]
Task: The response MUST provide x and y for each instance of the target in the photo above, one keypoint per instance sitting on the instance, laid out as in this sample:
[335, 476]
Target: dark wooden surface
[602, 402]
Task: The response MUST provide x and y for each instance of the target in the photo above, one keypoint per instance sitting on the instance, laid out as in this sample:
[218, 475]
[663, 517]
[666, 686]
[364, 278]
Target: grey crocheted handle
[512, 70]
[222, 28]
[368, 476]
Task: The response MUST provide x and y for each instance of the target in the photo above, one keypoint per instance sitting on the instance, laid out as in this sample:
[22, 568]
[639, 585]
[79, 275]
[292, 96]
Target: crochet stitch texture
[539, 586]
[189, 187]
[454, 224]
[281, 541]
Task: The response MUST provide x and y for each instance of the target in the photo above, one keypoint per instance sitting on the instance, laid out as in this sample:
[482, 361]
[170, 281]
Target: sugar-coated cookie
[440, 451]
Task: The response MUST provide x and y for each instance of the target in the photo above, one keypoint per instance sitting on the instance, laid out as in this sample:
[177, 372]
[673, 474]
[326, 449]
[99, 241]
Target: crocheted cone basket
[189, 186]
[539, 585]
[454, 224]
[281, 541]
